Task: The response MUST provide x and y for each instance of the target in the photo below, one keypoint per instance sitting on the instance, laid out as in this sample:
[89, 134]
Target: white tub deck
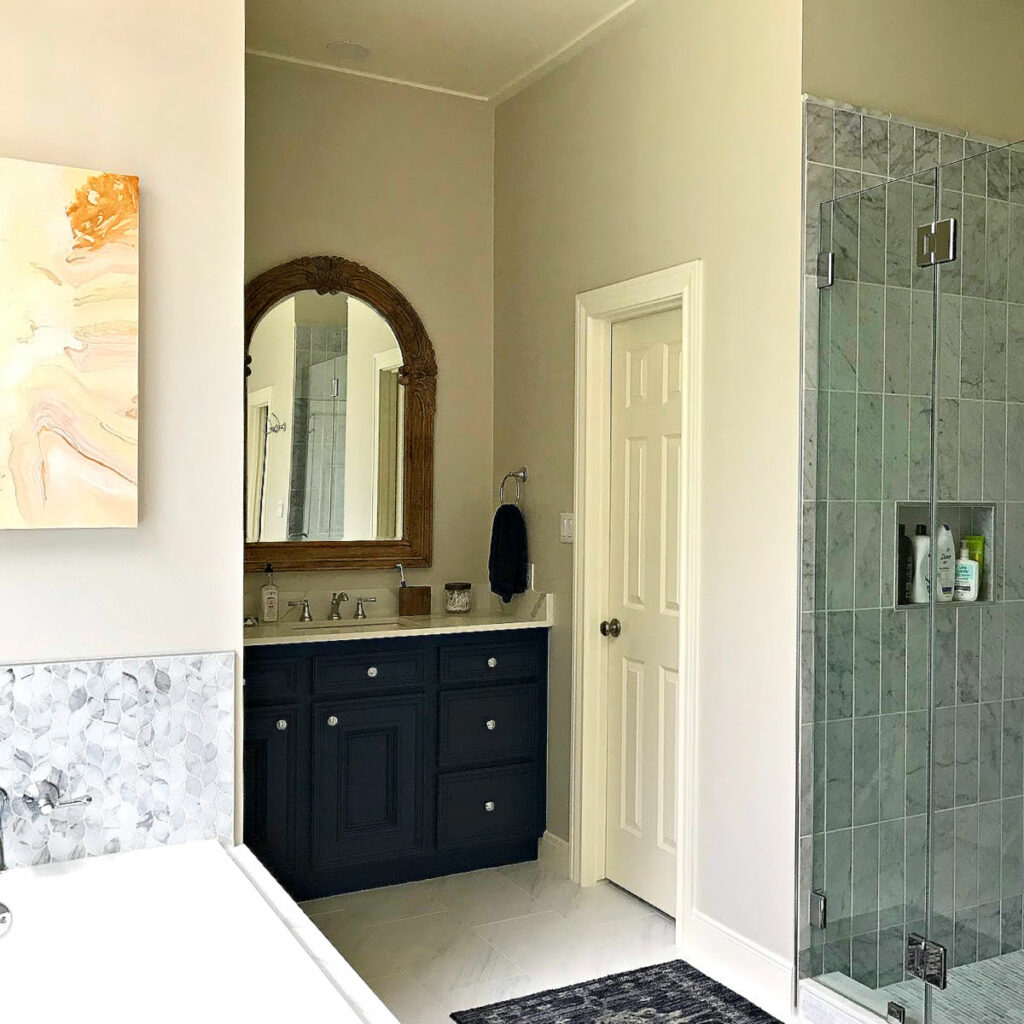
[178, 933]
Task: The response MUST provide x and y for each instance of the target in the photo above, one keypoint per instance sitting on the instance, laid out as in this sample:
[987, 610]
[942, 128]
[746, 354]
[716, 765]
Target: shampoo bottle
[967, 577]
[920, 584]
[268, 597]
[904, 568]
[945, 564]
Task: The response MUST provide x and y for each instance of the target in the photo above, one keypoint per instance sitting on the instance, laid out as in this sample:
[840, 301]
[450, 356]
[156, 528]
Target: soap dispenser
[268, 597]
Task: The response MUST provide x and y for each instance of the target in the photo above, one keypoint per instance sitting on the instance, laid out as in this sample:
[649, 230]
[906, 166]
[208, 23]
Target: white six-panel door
[644, 585]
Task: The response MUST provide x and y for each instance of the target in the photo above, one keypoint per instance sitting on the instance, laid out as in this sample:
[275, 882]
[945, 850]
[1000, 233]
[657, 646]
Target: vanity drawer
[484, 661]
[393, 668]
[497, 723]
[270, 679]
[486, 806]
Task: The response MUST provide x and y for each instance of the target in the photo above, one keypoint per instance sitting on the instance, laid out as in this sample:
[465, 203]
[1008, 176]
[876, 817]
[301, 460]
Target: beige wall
[952, 63]
[676, 138]
[155, 90]
[273, 366]
[399, 179]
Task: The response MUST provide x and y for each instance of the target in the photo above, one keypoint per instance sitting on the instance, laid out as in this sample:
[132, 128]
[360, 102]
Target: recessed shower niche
[964, 519]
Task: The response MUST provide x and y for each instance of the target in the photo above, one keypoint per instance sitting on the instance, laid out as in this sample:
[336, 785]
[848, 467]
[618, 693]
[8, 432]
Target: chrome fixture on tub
[360, 610]
[306, 615]
[336, 600]
[44, 798]
[5, 803]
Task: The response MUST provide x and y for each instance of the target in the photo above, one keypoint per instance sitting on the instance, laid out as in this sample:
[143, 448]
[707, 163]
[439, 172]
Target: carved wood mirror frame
[330, 275]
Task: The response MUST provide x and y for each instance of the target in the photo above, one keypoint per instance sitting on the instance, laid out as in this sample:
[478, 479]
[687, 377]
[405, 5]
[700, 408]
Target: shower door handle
[611, 627]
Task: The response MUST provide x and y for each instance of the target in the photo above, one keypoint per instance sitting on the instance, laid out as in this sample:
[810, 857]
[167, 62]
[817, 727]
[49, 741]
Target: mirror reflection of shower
[325, 425]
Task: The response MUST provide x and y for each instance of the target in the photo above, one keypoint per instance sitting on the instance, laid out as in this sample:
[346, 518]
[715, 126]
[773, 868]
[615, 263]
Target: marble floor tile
[593, 904]
[376, 906]
[549, 948]
[481, 897]
[408, 1000]
[367, 955]
[442, 952]
[430, 948]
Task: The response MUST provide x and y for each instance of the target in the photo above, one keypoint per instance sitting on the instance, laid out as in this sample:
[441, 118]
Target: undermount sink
[349, 626]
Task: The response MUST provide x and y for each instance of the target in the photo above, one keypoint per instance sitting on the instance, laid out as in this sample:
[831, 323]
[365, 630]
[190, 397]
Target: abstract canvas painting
[69, 347]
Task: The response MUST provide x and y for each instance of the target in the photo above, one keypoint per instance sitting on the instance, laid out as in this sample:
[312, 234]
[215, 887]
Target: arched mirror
[339, 420]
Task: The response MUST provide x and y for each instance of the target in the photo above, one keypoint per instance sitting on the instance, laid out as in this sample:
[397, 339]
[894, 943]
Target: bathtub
[177, 933]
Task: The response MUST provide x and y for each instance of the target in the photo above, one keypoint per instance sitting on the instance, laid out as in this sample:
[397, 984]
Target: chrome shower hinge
[819, 910]
[936, 242]
[926, 960]
[826, 269]
[896, 1013]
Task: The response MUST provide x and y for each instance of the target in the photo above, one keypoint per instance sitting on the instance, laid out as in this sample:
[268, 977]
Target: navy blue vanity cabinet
[414, 757]
[271, 757]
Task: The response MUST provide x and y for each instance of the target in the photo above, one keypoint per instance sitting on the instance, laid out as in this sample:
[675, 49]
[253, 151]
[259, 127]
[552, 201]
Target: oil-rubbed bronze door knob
[611, 628]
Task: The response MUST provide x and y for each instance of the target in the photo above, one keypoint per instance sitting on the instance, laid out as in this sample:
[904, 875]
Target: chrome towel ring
[520, 476]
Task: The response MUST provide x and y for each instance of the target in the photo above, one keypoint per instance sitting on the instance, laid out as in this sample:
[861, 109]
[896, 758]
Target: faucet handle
[306, 615]
[44, 797]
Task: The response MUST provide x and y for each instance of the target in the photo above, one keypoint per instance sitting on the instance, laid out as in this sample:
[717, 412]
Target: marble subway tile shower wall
[864, 672]
[150, 740]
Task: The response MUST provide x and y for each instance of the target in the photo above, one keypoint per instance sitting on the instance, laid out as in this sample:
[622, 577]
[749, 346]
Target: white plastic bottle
[921, 584]
[268, 597]
[945, 564]
[967, 576]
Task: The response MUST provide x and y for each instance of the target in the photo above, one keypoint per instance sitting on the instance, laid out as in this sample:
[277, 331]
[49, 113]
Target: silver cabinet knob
[492, 724]
[372, 671]
[332, 721]
[282, 724]
[492, 662]
[489, 806]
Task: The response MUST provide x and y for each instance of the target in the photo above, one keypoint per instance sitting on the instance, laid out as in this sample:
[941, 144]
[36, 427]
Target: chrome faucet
[336, 600]
[360, 610]
[5, 803]
[306, 615]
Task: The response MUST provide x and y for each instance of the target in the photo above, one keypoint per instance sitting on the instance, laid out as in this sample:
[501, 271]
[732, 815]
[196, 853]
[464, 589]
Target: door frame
[597, 311]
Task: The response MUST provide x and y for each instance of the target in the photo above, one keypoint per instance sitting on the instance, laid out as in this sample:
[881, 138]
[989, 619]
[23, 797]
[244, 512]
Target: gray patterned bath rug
[671, 993]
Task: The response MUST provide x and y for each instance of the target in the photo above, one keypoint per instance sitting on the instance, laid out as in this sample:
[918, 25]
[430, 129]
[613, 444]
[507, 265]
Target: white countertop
[533, 611]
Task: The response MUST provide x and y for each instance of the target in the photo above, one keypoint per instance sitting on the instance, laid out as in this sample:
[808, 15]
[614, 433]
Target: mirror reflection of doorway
[256, 475]
[389, 429]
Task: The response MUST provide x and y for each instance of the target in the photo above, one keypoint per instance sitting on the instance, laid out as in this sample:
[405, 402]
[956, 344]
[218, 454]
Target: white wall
[950, 63]
[272, 350]
[677, 137]
[154, 90]
[401, 180]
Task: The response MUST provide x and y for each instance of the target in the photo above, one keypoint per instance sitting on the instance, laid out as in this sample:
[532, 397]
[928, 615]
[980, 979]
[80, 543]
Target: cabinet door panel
[367, 778]
[270, 764]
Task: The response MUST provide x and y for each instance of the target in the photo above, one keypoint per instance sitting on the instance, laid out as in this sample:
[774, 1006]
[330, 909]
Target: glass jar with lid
[458, 598]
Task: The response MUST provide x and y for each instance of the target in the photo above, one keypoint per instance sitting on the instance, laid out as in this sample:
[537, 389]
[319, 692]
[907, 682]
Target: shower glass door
[912, 709]
[977, 707]
[865, 732]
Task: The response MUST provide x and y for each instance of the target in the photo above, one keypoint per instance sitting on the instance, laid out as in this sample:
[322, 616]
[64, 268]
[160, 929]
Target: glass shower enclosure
[912, 706]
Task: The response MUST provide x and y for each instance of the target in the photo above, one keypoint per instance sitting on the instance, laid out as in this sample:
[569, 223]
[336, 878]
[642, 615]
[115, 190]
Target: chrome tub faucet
[5, 803]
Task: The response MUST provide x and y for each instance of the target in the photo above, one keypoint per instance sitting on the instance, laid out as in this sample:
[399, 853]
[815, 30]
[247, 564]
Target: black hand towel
[507, 562]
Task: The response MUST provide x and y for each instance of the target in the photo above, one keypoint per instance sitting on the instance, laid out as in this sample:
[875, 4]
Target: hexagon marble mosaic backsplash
[149, 739]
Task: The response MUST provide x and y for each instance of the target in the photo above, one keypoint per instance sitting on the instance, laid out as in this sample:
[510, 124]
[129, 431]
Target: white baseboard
[756, 973]
[553, 853]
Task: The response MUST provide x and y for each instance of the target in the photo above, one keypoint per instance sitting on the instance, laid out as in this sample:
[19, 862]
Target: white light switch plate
[567, 528]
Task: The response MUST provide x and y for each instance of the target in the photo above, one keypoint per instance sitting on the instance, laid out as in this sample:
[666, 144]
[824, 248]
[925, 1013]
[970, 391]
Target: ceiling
[485, 49]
